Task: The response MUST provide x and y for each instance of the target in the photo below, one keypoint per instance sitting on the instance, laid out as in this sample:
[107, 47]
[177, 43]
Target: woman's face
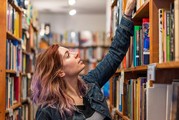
[72, 64]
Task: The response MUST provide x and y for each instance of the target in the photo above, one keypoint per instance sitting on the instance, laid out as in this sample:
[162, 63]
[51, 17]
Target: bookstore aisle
[146, 85]
[20, 41]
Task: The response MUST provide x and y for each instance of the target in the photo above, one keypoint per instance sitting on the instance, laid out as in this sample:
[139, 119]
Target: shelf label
[151, 72]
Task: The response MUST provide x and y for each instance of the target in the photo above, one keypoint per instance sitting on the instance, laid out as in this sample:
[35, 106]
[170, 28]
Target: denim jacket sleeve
[107, 67]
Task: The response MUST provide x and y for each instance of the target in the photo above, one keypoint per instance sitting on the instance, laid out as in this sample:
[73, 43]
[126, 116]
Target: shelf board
[120, 114]
[138, 68]
[10, 36]
[114, 4]
[133, 69]
[15, 106]
[17, 8]
[11, 71]
[168, 65]
[142, 12]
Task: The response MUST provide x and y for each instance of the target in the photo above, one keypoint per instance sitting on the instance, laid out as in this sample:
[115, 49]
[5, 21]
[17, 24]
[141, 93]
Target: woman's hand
[130, 7]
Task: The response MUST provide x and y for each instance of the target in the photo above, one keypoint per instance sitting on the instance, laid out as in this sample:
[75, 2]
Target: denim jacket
[99, 76]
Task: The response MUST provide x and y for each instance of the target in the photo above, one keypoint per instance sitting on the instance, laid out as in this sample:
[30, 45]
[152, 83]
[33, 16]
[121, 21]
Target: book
[175, 101]
[176, 17]
[156, 102]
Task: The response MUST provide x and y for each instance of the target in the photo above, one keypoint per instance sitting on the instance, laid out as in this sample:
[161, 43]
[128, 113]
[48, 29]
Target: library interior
[122, 76]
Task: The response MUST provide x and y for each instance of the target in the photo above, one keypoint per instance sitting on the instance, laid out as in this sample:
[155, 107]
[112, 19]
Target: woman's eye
[68, 55]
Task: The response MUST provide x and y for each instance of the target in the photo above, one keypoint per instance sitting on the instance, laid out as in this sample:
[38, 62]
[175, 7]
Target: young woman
[59, 91]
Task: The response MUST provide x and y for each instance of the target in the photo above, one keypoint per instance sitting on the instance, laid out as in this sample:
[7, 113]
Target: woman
[59, 91]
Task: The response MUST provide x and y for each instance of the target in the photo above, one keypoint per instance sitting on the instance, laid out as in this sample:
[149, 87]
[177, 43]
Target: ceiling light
[71, 2]
[72, 12]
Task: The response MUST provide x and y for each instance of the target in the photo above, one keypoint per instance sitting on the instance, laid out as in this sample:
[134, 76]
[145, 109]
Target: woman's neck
[73, 90]
[72, 86]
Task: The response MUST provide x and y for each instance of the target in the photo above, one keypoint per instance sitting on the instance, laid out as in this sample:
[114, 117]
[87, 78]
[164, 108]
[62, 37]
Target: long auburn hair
[48, 89]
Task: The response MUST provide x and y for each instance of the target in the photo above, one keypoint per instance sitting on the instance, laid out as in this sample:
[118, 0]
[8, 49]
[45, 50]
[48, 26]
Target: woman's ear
[61, 73]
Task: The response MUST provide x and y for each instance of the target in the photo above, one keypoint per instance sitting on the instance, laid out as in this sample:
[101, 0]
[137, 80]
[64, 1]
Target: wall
[60, 23]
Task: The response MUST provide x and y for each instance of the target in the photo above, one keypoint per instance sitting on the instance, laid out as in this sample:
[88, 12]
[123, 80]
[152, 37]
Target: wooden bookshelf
[3, 56]
[164, 73]
[10, 72]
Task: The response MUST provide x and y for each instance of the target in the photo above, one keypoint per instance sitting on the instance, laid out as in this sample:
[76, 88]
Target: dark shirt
[86, 109]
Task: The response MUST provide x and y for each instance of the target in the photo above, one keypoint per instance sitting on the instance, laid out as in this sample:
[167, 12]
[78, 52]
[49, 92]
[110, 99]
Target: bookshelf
[3, 55]
[165, 73]
[13, 102]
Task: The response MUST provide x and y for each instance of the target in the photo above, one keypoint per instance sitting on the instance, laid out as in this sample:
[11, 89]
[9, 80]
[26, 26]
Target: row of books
[81, 38]
[21, 113]
[12, 90]
[141, 44]
[13, 85]
[13, 23]
[145, 101]
[17, 59]
[13, 55]
[139, 51]
[167, 34]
